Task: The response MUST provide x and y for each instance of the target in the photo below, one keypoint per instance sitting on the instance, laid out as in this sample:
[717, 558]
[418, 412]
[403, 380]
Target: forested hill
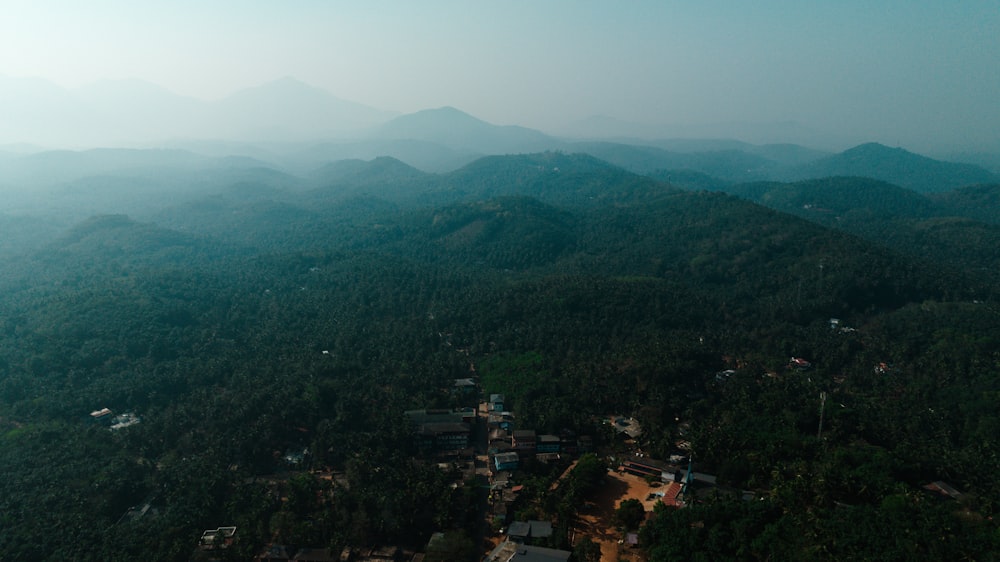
[957, 229]
[897, 166]
[258, 319]
[979, 202]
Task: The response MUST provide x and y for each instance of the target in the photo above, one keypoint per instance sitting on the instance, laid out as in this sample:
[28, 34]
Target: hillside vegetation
[268, 313]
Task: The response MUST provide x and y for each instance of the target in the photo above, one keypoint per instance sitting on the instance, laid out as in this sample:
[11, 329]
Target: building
[502, 420]
[650, 468]
[443, 415]
[697, 478]
[548, 444]
[380, 554]
[524, 440]
[509, 551]
[799, 363]
[526, 531]
[943, 489]
[124, 420]
[464, 386]
[443, 436]
[212, 539]
[496, 402]
[506, 461]
[628, 427]
[499, 436]
[315, 555]
[104, 415]
[671, 495]
[440, 430]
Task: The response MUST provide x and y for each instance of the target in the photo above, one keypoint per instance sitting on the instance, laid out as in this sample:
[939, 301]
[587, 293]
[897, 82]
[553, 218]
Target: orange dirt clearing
[597, 522]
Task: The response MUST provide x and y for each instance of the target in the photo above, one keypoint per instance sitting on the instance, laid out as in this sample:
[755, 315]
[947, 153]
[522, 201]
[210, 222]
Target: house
[518, 531]
[568, 442]
[442, 429]
[548, 444]
[499, 435]
[443, 436]
[509, 551]
[502, 420]
[547, 457]
[496, 402]
[380, 554]
[506, 461]
[468, 414]
[670, 495]
[524, 531]
[524, 439]
[697, 477]
[104, 415]
[799, 363]
[315, 555]
[943, 489]
[464, 386]
[220, 538]
[124, 420]
[442, 415]
[629, 427]
[723, 376]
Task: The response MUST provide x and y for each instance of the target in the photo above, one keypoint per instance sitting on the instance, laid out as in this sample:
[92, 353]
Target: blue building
[506, 461]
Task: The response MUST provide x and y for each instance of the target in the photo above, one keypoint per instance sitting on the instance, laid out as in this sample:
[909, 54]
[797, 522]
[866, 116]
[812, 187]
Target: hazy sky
[892, 71]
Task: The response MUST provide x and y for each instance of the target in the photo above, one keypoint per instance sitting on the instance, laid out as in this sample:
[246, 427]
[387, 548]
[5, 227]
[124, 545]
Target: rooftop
[508, 551]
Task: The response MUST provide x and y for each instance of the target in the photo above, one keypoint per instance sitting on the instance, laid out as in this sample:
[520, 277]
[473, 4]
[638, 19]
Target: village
[630, 476]
[482, 445]
[516, 472]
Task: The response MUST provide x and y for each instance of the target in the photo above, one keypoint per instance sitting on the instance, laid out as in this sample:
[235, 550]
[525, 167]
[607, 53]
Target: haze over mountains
[288, 291]
[248, 252]
[283, 149]
[134, 112]
[282, 115]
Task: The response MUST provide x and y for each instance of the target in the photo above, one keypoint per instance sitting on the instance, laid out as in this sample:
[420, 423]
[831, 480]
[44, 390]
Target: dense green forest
[266, 315]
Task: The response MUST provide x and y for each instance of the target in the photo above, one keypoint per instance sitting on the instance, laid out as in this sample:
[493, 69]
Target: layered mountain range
[245, 300]
[291, 123]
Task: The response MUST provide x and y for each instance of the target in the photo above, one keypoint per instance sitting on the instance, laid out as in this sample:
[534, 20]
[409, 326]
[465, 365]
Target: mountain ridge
[895, 165]
[459, 130]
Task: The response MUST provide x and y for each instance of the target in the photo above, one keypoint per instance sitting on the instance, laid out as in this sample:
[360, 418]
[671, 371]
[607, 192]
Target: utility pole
[822, 410]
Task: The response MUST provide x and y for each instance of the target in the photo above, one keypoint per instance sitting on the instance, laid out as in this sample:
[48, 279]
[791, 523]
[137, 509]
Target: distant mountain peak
[287, 79]
[447, 109]
[382, 169]
[288, 83]
[458, 130]
[285, 86]
[876, 147]
[436, 117]
[897, 166]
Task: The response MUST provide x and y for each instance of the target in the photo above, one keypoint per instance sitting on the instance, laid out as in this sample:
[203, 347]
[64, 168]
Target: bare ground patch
[598, 521]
